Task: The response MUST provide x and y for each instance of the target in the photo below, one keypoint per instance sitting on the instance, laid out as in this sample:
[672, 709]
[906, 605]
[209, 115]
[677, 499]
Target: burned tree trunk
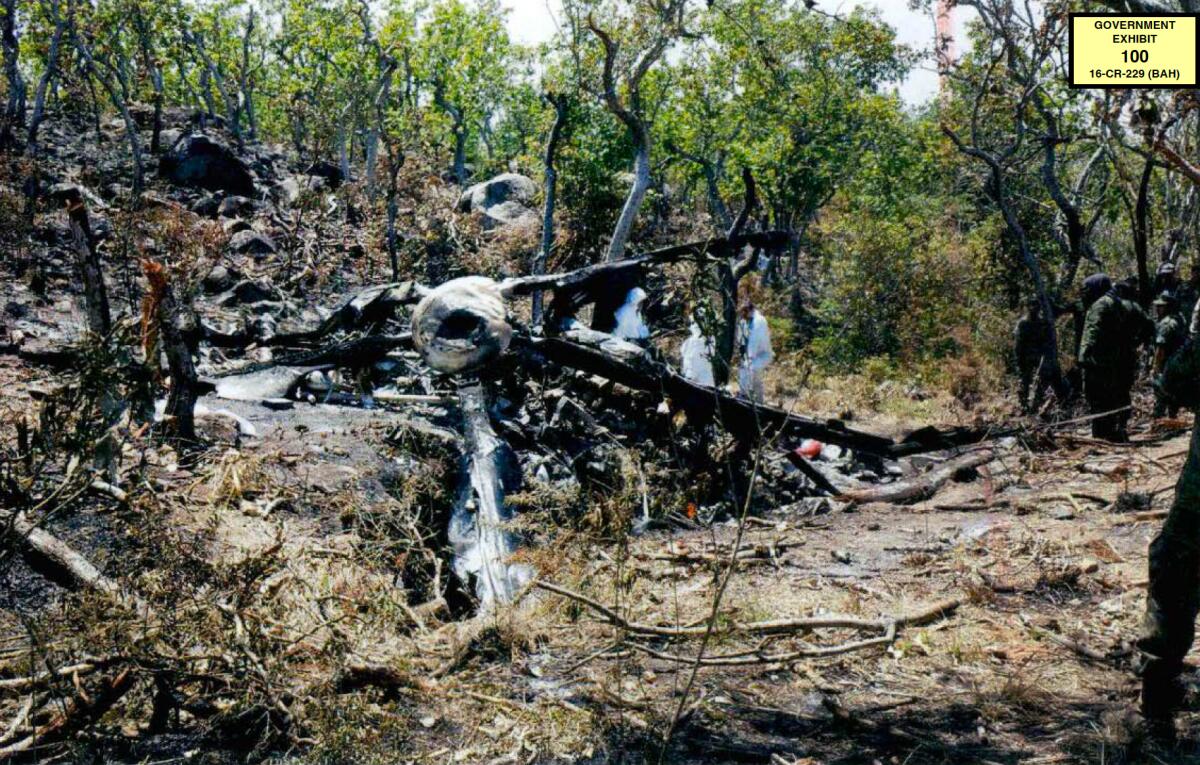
[559, 102]
[95, 294]
[730, 272]
[1141, 234]
[170, 319]
[393, 210]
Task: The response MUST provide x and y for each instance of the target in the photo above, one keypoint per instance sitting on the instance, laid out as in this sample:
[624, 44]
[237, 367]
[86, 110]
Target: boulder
[506, 213]
[207, 205]
[251, 243]
[219, 279]
[198, 160]
[168, 137]
[506, 187]
[235, 225]
[287, 191]
[246, 292]
[236, 206]
[327, 170]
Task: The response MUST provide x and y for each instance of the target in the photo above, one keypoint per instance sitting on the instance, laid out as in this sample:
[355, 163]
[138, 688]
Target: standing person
[696, 357]
[1108, 353]
[1031, 337]
[630, 324]
[1094, 287]
[1169, 336]
[1173, 594]
[1166, 279]
[1187, 294]
[756, 354]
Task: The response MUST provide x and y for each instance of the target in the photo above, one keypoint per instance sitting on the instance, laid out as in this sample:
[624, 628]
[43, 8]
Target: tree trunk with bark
[559, 102]
[639, 131]
[171, 315]
[154, 70]
[48, 76]
[1141, 234]
[14, 111]
[1051, 369]
[730, 272]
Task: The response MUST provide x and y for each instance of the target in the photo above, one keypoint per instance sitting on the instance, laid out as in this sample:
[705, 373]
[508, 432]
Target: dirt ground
[1032, 668]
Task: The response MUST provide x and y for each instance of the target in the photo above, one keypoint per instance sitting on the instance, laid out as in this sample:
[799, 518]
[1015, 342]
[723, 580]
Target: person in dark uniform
[1114, 330]
[1030, 339]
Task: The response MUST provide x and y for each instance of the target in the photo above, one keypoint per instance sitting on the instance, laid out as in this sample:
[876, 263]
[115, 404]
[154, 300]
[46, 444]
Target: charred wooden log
[922, 486]
[94, 291]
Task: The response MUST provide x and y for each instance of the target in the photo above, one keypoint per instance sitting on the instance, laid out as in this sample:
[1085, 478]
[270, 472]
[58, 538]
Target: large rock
[327, 170]
[207, 205]
[251, 243]
[236, 207]
[220, 279]
[168, 137]
[506, 213]
[287, 191]
[247, 292]
[232, 226]
[507, 187]
[198, 160]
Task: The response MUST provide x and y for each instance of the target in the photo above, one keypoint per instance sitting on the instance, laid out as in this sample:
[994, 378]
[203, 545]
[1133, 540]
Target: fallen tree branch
[744, 658]
[922, 486]
[49, 554]
[770, 627]
[108, 490]
[45, 676]
[80, 711]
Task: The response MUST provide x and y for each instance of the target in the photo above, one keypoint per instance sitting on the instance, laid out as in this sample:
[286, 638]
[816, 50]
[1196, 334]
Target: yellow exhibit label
[1119, 51]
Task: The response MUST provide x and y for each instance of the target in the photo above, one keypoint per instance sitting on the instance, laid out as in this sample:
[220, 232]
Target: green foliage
[896, 287]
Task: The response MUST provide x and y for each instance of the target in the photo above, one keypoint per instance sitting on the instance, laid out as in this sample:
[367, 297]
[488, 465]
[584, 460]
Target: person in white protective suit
[696, 357]
[630, 324]
[754, 340]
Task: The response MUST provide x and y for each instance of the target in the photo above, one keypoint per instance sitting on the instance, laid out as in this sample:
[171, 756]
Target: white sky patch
[533, 21]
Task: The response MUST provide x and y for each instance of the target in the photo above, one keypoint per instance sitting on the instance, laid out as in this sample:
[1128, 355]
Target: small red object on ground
[810, 448]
